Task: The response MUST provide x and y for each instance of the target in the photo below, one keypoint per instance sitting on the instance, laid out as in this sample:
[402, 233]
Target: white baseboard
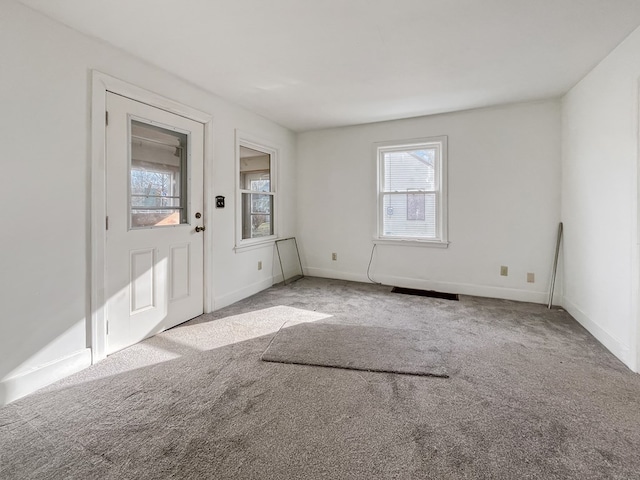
[244, 292]
[450, 287]
[335, 274]
[613, 344]
[18, 386]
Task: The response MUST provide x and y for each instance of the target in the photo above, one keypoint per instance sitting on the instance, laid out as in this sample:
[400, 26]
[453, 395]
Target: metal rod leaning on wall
[555, 266]
[295, 243]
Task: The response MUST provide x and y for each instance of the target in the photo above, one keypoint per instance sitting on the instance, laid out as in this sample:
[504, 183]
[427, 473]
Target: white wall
[599, 200]
[44, 133]
[504, 202]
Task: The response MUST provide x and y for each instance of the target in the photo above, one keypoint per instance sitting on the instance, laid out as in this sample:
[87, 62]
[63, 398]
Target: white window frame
[247, 140]
[441, 238]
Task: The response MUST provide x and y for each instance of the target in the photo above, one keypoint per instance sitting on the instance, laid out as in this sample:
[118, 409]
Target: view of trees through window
[152, 188]
[260, 208]
[156, 176]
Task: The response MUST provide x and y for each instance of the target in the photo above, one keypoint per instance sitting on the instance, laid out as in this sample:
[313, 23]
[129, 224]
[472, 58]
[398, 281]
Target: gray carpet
[530, 395]
[371, 349]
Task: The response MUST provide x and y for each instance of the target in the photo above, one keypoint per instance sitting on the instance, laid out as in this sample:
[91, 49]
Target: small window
[256, 192]
[412, 190]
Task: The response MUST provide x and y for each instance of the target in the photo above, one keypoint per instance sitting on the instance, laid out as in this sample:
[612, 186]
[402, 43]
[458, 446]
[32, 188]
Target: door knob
[200, 229]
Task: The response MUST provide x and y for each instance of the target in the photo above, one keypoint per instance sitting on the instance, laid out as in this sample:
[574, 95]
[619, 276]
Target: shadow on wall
[25, 352]
[188, 339]
[26, 365]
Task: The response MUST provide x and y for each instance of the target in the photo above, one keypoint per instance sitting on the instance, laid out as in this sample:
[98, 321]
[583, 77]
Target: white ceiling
[315, 64]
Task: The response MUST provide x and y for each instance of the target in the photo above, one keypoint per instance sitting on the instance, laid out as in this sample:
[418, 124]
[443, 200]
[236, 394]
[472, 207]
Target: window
[412, 191]
[158, 183]
[256, 192]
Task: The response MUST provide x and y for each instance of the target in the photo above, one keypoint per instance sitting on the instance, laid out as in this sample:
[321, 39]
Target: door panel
[154, 256]
[179, 271]
[142, 280]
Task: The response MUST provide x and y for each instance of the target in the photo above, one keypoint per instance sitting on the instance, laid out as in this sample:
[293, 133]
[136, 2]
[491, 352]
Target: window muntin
[257, 193]
[411, 190]
[157, 176]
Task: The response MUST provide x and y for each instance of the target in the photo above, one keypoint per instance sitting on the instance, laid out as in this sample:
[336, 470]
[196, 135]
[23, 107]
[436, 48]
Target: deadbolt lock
[198, 215]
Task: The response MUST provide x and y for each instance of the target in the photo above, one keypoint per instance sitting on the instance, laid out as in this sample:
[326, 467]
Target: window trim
[442, 239]
[244, 139]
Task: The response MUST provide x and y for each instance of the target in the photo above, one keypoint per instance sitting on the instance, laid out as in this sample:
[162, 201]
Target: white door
[154, 239]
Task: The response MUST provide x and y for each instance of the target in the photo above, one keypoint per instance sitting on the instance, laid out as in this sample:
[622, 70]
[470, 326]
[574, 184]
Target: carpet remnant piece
[425, 293]
[354, 347]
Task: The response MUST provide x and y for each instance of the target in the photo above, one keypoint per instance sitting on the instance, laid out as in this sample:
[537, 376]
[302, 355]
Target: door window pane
[158, 176]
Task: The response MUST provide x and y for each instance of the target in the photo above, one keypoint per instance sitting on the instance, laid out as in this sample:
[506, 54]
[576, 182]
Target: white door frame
[635, 254]
[101, 84]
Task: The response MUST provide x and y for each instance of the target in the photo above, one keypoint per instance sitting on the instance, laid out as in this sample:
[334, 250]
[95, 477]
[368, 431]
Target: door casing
[101, 84]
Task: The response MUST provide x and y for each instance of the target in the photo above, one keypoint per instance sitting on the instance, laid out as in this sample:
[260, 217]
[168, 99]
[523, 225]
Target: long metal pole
[555, 266]
[284, 282]
[295, 242]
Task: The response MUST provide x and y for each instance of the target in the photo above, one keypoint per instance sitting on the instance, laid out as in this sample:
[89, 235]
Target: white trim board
[635, 255]
[460, 288]
[245, 292]
[335, 274]
[18, 386]
[634, 353]
[101, 84]
[611, 343]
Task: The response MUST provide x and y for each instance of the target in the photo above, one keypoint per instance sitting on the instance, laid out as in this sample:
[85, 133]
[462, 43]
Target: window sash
[410, 226]
[245, 216]
[411, 148]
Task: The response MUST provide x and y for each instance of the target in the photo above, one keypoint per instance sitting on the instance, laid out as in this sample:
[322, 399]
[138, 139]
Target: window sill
[405, 242]
[244, 247]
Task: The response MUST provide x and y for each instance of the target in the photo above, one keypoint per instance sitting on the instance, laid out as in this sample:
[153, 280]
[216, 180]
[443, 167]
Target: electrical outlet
[504, 271]
[334, 256]
[260, 265]
[531, 277]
